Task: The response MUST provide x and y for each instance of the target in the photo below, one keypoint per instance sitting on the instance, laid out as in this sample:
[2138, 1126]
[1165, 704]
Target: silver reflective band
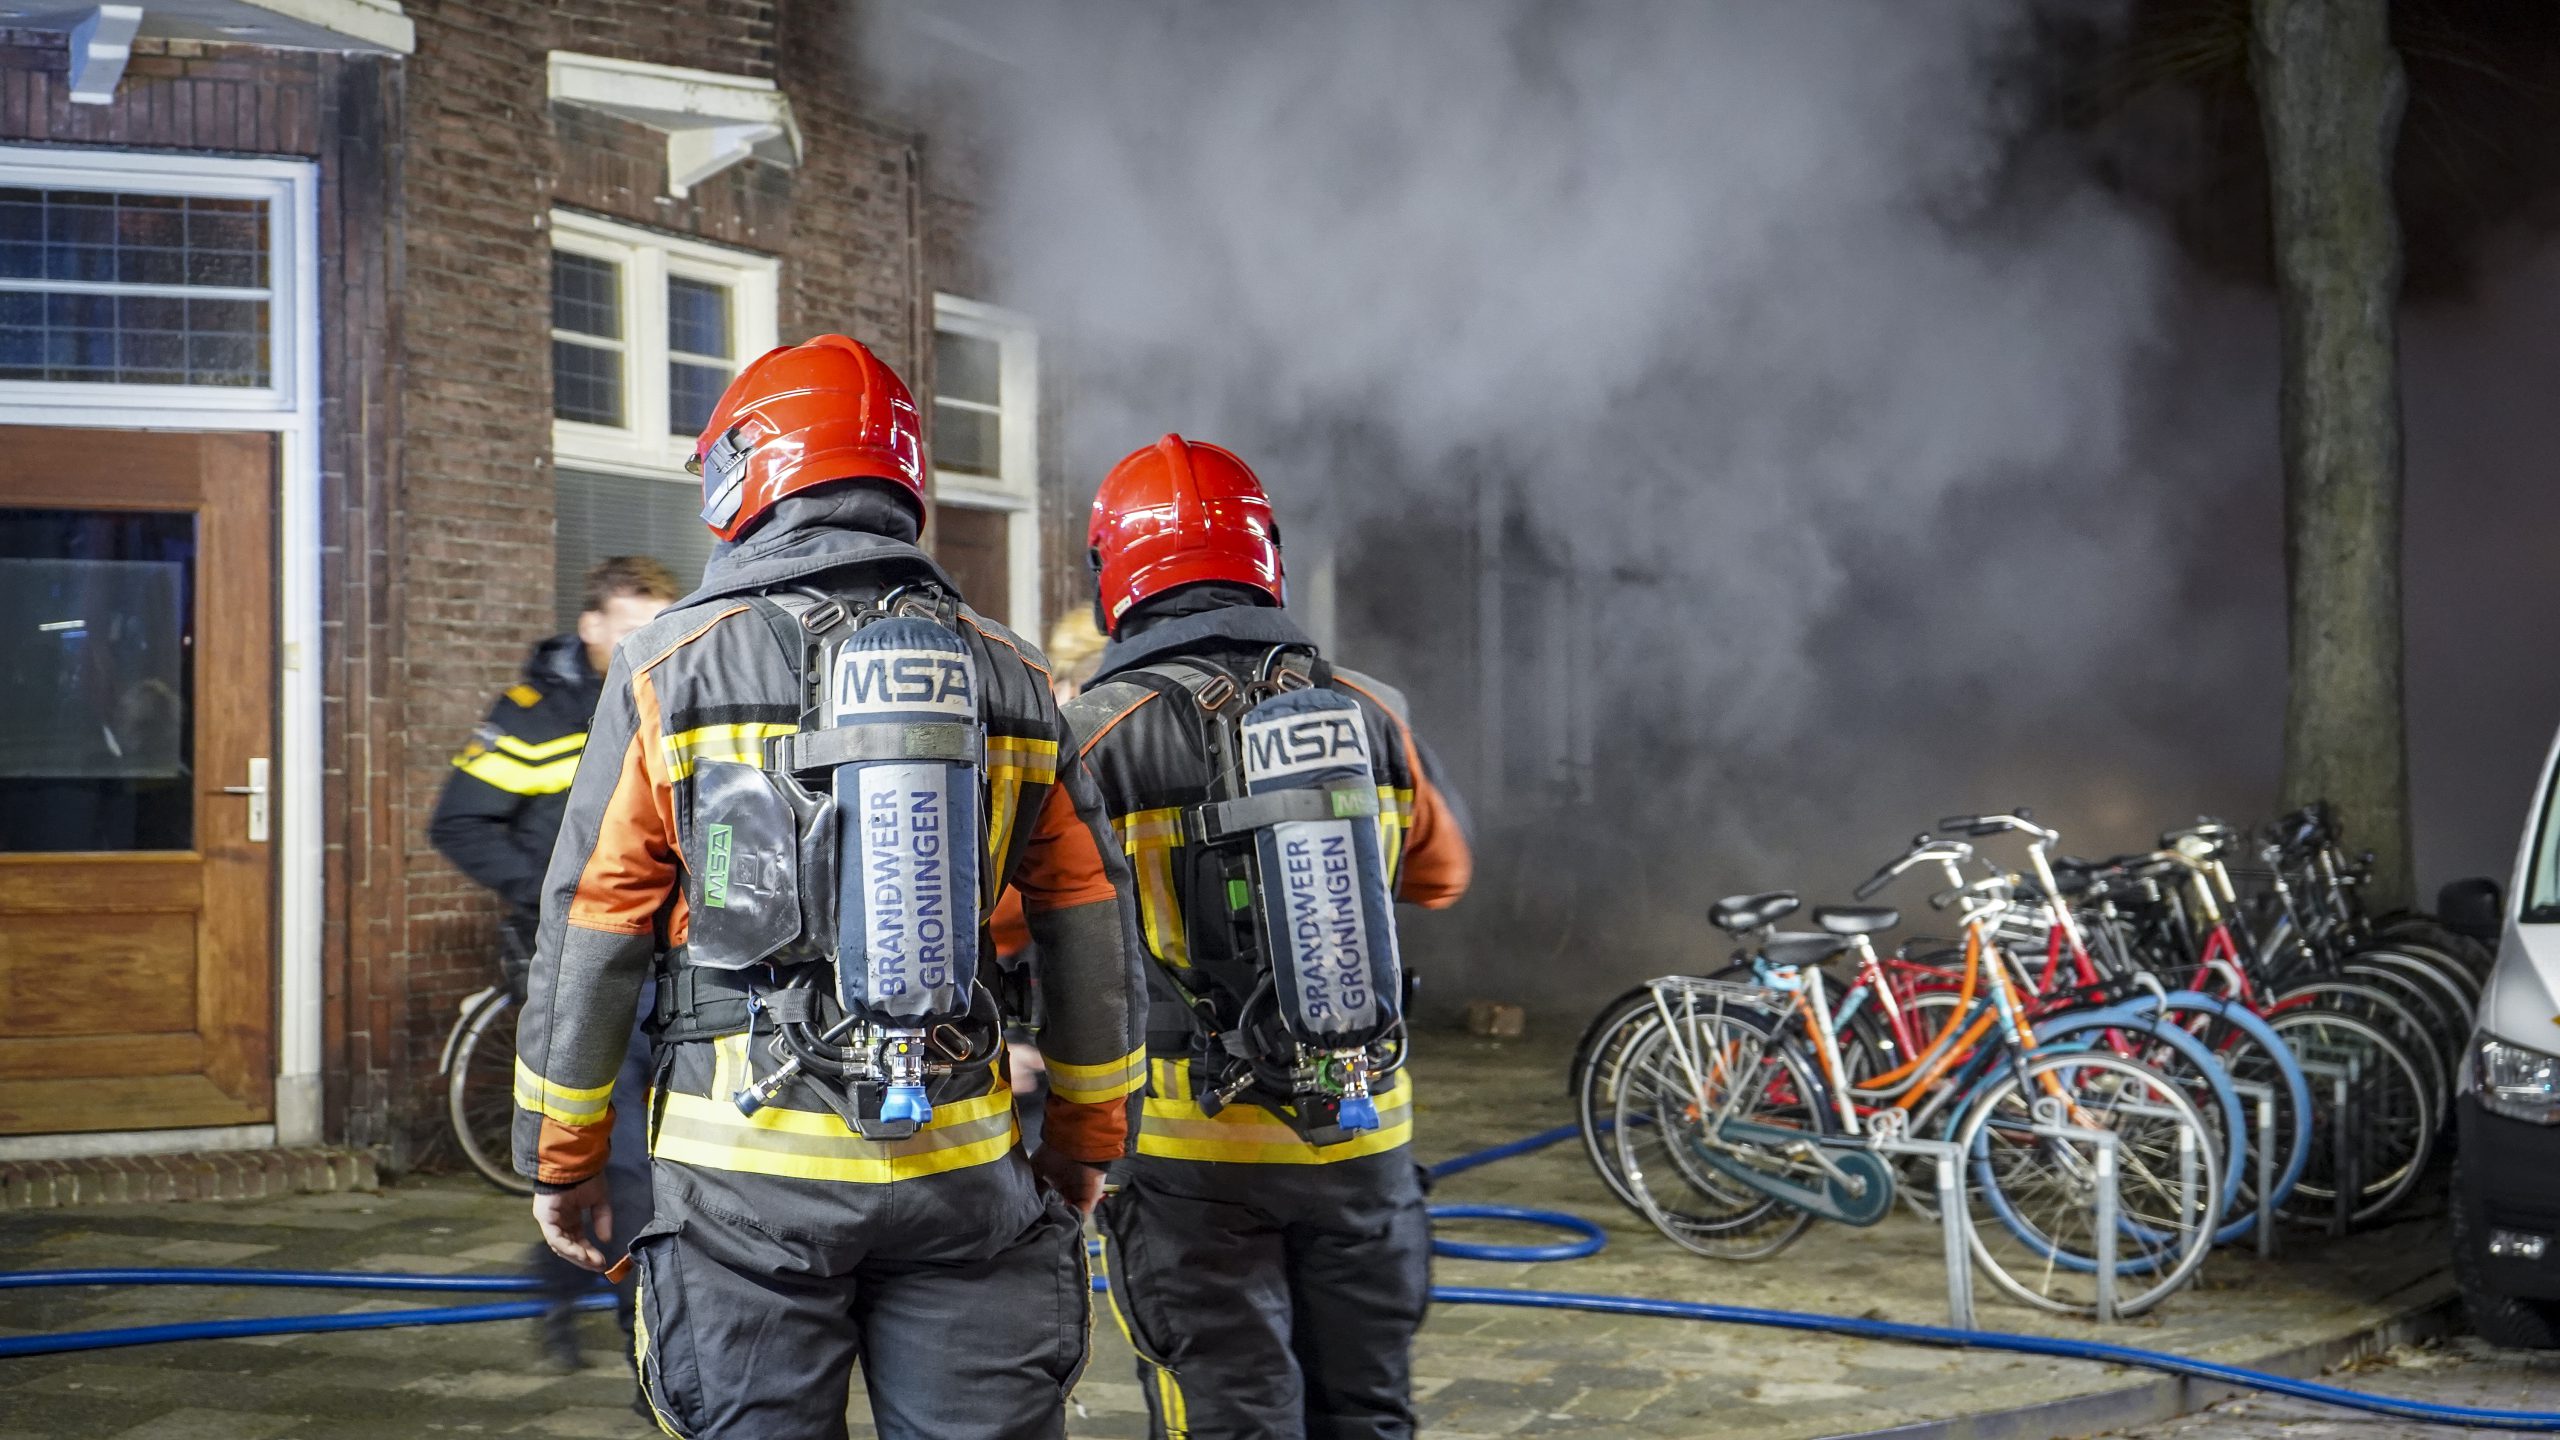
[852, 744]
[1223, 818]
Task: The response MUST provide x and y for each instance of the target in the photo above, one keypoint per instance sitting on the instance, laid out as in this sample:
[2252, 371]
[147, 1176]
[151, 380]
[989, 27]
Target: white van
[2506, 1179]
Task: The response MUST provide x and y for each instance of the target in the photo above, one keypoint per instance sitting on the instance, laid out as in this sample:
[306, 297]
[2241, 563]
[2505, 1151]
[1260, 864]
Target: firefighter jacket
[500, 810]
[709, 681]
[1147, 756]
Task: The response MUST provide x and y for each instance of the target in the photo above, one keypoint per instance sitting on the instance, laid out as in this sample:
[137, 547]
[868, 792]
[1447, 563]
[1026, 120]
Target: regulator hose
[1589, 1242]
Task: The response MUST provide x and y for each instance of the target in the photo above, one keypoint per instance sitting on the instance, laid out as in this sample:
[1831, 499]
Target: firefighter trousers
[750, 1332]
[1273, 1301]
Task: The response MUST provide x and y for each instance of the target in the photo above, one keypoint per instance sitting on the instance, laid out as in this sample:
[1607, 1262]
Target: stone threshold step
[185, 1175]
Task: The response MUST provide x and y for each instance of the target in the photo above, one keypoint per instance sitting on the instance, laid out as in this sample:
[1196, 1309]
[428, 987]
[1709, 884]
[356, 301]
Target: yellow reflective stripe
[1148, 838]
[566, 1104]
[516, 777]
[708, 1131]
[1035, 761]
[1395, 817]
[1177, 1129]
[742, 742]
[1098, 1084]
[523, 750]
[1013, 761]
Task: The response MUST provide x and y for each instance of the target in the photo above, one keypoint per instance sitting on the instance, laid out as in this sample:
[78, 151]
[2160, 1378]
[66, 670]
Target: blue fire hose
[1590, 1238]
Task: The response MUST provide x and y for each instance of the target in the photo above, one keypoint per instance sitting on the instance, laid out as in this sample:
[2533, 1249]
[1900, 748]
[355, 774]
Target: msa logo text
[1281, 746]
[902, 680]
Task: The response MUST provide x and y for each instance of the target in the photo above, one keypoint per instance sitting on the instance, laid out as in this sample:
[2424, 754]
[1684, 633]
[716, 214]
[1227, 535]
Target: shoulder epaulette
[525, 696]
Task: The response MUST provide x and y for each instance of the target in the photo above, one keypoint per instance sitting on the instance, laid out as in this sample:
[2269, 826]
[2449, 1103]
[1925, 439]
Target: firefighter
[1267, 1245]
[828, 1192]
[497, 820]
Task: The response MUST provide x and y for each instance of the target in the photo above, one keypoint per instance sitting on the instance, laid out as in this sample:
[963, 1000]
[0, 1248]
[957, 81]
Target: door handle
[256, 790]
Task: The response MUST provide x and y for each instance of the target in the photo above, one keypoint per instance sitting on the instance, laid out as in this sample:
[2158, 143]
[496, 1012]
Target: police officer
[792, 1241]
[1269, 1273]
[498, 819]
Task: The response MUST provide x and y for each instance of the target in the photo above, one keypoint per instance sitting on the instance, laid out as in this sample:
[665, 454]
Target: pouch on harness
[1287, 908]
[846, 865]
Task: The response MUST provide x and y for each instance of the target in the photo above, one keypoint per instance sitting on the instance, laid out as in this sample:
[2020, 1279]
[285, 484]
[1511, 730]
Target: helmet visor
[724, 478]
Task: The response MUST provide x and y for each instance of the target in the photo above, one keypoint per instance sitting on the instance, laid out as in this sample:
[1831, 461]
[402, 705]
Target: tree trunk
[2330, 93]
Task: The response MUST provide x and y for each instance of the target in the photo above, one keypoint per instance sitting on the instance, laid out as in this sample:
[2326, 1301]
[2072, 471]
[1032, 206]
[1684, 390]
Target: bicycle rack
[2046, 1122]
[2341, 1067]
[1955, 1223]
[2262, 1106]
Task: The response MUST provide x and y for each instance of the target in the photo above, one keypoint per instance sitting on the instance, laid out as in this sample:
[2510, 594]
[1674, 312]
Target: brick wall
[439, 173]
[337, 111]
[488, 157]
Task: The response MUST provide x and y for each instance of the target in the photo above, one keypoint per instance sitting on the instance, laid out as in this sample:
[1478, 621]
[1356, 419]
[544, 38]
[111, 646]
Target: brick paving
[184, 1175]
[1482, 1371]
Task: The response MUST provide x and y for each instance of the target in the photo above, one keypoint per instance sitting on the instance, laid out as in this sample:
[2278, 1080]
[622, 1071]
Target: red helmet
[1177, 513]
[804, 415]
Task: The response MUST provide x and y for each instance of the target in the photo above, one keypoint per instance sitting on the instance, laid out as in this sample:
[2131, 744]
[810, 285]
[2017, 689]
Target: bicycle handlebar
[1924, 848]
[1984, 826]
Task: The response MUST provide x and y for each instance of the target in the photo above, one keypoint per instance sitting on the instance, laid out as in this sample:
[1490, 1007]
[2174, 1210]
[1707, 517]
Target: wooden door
[137, 704]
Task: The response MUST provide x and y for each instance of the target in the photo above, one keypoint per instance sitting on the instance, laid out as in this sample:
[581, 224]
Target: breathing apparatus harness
[837, 907]
[1286, 913]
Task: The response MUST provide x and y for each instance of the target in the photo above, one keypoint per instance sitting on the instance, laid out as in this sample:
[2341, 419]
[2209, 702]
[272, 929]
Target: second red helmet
[1180, 512]
[804, 415]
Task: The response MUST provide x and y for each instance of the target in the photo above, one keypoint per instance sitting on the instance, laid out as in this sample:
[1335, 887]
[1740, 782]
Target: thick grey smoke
[1744, 443]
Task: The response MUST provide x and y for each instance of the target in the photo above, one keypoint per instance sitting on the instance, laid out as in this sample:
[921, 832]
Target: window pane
[698, 318]
[965, 439]
[967, 368]
[693, 392]
[603, 515]
[586, 383]
[586, 295]
[971, 545]
[134, 243]
[96, 689]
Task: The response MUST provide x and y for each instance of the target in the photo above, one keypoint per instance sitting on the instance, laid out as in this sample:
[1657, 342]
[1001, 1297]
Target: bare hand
[567, 1216]
[1075, 1181]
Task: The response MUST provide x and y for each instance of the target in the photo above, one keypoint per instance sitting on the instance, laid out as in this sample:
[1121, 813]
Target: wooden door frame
[291, 413]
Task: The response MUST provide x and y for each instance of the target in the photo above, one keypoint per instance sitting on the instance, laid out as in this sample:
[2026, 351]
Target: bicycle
[479, 1071]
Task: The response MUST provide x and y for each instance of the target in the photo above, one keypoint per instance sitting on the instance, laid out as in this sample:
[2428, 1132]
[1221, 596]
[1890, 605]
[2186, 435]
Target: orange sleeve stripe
[567, 1154]
[1437, 865]
[1062, 866]
[1114, 721]
[631, 870]
[1011, 928]
[1095, 1134]
[993, 638]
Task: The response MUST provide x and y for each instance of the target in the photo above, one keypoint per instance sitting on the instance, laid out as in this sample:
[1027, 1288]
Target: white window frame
[647, 258]
[285, 186]
[1015, 490]
[289, 409]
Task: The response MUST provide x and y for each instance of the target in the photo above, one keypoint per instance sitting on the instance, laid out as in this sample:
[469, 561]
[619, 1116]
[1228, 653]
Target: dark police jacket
[1146, 754]
[500, 812]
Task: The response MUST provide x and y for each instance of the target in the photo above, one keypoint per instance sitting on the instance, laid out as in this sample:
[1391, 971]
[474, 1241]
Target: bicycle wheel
[2137, 1031]
[1661, 1123]
[2395, 1128]
[480, 1091]
[2445, 1019]
[2253, 1053]
[2385, 1010]
[1599, 1065]
[2032, 1197]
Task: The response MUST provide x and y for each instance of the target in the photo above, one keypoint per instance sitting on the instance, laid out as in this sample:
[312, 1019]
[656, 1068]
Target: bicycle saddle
[1801, 950]
[1856, 919]
[1737, 913]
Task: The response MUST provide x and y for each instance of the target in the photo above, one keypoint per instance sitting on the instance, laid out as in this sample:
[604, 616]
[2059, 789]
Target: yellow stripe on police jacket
[506, 772]
[708, 1131]
[1177, 1129]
